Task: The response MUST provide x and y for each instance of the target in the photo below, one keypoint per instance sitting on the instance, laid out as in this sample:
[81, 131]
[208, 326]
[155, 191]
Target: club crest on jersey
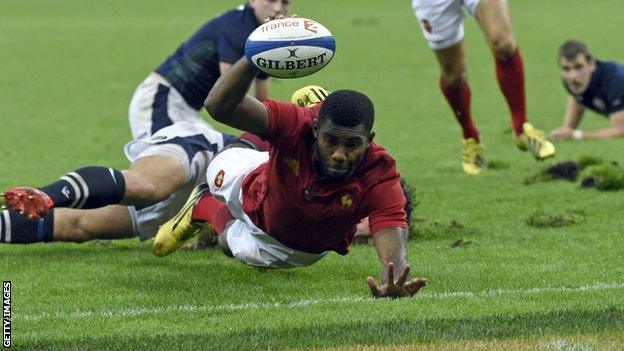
[599, 103]
[218, 181]
[293, 164]
[346, 201]
[426, 25]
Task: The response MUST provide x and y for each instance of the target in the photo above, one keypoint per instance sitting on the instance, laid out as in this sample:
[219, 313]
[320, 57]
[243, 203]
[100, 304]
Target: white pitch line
[130, 312]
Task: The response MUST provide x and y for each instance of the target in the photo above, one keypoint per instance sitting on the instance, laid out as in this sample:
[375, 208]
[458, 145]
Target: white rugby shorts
[193, 145]
[441, 21]
[155, 105]
[248, 243]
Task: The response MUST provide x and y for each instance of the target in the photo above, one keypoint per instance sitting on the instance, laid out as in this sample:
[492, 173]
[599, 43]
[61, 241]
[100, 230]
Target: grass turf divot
[539, 219]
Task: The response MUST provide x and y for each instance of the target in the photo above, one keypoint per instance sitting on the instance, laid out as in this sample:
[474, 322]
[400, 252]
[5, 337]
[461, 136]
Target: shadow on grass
[384, 332]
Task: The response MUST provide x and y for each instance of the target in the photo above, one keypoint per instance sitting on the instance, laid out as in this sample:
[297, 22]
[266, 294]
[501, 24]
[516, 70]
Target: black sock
[15, 228]
[89, 187]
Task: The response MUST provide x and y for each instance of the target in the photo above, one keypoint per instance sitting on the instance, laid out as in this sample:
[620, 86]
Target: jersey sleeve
[615, 94]
[284, 120]
[387, 206]
[226, 49]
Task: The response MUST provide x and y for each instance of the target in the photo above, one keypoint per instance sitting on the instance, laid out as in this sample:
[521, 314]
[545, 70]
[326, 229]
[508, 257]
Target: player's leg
[62, 224]
[148, 180]
[221, 196]
[152, 179]
[160, 166]
[88, 187]
[441, 23]
[110, 222]
[454, 86]
[456, 90]
[495, 20]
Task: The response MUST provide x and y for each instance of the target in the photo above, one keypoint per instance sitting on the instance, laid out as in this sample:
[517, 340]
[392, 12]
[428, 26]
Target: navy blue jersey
[605, 92]
[194, 68]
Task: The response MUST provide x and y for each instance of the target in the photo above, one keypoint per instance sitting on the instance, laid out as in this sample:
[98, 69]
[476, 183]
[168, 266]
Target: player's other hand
[397, 289]
[561, 133]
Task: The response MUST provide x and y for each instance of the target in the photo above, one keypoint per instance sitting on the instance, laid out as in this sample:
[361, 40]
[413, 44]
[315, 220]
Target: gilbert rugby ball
[290, 47]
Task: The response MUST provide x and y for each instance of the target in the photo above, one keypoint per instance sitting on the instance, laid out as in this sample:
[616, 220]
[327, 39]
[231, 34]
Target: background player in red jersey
[441, 22]
[289, 207]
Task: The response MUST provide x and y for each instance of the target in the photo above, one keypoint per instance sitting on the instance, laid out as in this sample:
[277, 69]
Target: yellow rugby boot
[309, 96]
[473, 161]
[176, 231]
[534, 140]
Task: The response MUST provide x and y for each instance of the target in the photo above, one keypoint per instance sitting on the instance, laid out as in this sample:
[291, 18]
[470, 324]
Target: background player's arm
[229, 103]
[573, 115]
[616, 130]
[571, 119]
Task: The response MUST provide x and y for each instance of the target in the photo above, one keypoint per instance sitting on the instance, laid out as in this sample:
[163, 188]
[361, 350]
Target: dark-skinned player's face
[338, 149]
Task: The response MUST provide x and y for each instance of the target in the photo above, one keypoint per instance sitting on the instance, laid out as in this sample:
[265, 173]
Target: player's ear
[371, 136]
[315, 128]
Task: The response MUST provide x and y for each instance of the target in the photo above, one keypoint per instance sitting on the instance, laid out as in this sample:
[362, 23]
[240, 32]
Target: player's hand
[292, 15]
[561, 133]
[397, 289]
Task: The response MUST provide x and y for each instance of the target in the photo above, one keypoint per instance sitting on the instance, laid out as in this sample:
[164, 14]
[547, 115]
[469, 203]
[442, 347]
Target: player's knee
[141, 190]
[455, 80]
[503, 45]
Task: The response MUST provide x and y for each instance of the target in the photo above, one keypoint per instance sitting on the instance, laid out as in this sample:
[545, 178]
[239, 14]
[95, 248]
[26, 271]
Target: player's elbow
[211, 107]
[215, 108]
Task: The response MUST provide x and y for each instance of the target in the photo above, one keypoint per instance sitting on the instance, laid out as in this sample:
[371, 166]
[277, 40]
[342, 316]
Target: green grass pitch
[68, 69]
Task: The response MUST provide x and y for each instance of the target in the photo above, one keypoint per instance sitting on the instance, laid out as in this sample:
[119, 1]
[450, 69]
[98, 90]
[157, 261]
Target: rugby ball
[290, 47]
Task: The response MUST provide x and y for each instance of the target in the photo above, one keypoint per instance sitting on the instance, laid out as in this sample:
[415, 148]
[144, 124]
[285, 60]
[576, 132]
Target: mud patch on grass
[540, 219]
[435, 230]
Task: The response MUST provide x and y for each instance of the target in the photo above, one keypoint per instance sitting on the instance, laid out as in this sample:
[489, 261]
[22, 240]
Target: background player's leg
[151, 179]
[110, 222]
[88, 187]
[64, 224]
[455, 88]
[148, 180]
[495, 20]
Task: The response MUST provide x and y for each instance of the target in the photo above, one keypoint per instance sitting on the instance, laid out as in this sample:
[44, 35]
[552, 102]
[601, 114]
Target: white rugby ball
[290, 47]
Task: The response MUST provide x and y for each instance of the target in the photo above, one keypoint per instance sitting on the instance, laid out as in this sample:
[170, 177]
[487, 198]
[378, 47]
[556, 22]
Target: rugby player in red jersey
[291, 206]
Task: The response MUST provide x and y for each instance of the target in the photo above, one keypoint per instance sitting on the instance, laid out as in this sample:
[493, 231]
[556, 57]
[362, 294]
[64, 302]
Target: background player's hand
[292, 15]
[397, 289]
[561, 133]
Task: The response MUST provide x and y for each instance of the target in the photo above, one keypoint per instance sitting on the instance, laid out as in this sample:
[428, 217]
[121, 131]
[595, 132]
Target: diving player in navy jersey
[175, 90]
[594, 84]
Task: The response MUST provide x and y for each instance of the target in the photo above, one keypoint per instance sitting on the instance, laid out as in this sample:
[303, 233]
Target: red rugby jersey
[288, 200]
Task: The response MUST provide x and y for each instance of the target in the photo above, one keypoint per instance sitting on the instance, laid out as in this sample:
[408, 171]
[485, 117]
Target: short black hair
[571, 48]
[347, 108]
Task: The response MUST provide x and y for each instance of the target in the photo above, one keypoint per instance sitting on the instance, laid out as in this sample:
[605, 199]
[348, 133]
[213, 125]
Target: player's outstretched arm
[616, 130]
[392, 251]
[571, 119]
[229, 103]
